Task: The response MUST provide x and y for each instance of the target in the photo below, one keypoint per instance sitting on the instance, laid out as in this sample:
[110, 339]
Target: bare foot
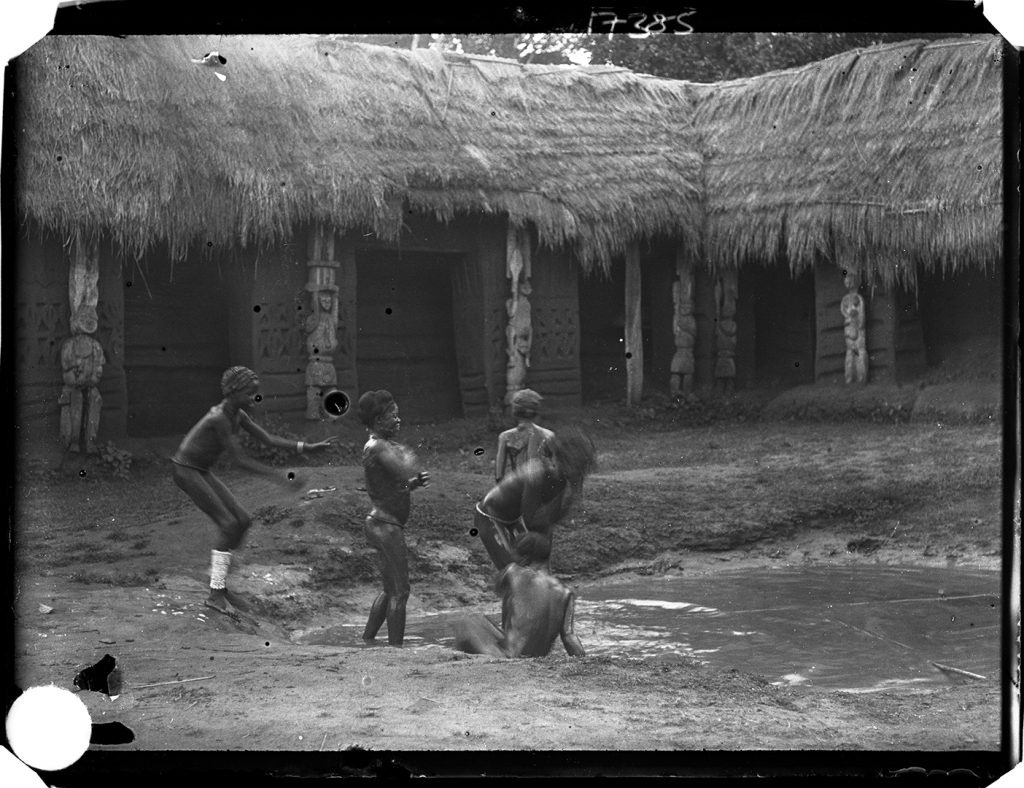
[236, 601]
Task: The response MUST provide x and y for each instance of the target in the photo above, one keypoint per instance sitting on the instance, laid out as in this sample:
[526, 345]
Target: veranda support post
[519, 329]
[81, 355]
[322, 324]
[684, 328]
[634, 346]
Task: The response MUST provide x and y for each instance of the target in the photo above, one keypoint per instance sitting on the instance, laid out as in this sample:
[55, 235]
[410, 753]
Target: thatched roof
[131, 138]
[874, 159]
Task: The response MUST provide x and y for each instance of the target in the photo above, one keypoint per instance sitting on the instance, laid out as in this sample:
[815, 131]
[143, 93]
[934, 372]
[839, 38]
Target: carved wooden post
[726, 291]
[81, 356]
[684, 329]
[322, 324]
[634, 328]
[519, 331]
[852, 307]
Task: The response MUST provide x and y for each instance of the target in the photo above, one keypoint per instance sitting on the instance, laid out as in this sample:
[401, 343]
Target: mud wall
[271, 303]
[41, 323]
[406, 341]
[468, 316]
[555, 353]
[474, 251]
[177, 339]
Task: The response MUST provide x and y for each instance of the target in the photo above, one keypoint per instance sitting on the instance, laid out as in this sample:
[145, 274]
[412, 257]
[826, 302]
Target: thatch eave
[867, 152]
[154, 148]
[867, 158]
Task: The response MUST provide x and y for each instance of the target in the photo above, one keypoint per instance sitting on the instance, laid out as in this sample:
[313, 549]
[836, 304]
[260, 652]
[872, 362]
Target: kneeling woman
[390, 478]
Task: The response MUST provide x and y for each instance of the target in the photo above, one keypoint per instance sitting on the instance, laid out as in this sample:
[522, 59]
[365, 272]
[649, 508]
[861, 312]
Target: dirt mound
[967, 401]
[822, 402]
[971, 359]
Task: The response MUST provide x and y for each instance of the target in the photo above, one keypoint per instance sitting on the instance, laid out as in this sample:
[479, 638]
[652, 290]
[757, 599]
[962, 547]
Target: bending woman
[535, 497]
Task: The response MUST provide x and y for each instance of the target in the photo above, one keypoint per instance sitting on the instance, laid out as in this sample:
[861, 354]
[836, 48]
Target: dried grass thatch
[877, 159]
[130, 137]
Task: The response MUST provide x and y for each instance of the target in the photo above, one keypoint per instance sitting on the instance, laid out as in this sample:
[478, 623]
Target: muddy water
[857, 628]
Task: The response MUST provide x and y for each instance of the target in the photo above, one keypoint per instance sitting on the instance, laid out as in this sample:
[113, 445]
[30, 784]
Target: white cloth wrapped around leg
[220, 562]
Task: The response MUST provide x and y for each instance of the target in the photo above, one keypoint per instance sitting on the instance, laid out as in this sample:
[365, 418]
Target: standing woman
[391, 476]
[213, 435]
[526, 440]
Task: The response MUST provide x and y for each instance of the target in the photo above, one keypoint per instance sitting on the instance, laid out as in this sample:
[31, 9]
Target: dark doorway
[406, 334]
[176, 344]
[603, 333]
[962, 322]
[784, 326]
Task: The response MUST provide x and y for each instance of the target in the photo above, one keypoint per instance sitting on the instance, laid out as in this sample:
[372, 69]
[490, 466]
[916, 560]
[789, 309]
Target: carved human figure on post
[852, 307]
[519, 329]
[684, 330]
[81, 355]
[82, 361]
[321, 341]
[519, 333]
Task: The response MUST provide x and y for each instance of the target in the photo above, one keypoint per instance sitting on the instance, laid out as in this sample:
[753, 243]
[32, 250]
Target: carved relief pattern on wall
[39, 328]
[42, 319]
[111, 330]
[279, 334]
[346, 318]
[556, 327]
[497, 342]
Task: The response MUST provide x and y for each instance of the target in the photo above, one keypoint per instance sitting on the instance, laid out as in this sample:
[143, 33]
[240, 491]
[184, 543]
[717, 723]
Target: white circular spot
[49, 727]
[14, 773]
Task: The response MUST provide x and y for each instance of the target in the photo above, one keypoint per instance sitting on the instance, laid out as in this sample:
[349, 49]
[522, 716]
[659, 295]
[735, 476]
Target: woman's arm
[239, 457]
[245, 422]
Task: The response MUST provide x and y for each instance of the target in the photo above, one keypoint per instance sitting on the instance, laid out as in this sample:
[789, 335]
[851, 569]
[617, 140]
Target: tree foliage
[697, 57]
[711, 57]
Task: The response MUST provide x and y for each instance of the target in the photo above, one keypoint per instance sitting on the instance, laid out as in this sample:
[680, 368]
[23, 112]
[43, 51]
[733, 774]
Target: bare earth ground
[120, 566]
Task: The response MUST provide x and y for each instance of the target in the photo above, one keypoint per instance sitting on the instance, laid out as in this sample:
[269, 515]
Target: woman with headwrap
[212, 436]
[526, 440]
[391, 475]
